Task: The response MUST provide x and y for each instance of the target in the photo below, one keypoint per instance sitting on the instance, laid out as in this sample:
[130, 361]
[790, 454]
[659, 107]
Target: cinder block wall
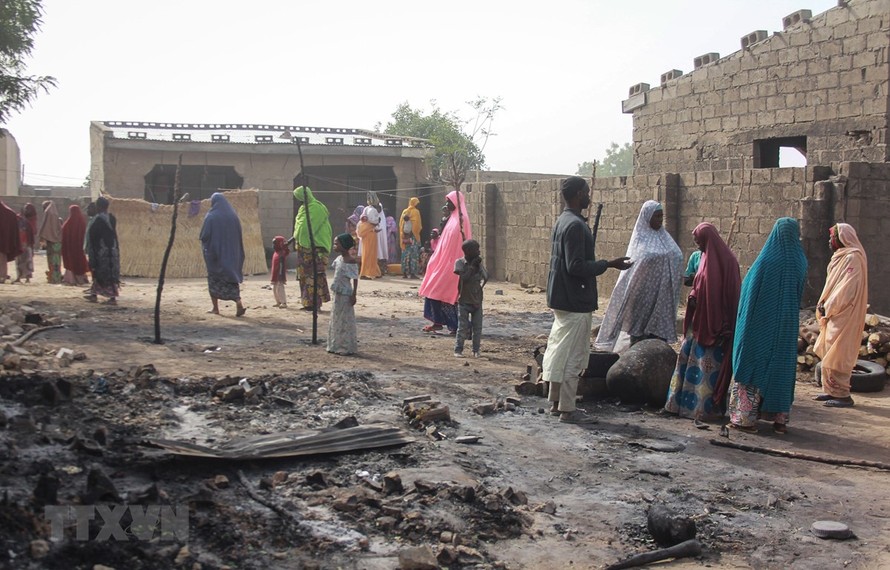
[864, 202]
[513, 220]
[826, 79]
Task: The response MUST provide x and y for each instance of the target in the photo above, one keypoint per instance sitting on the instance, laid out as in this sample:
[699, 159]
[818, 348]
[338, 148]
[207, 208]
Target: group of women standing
[439, 286]
[67, 244]
[739, 351]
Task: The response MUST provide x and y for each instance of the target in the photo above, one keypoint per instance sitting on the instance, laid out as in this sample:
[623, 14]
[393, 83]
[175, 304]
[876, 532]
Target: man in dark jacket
[572, 294]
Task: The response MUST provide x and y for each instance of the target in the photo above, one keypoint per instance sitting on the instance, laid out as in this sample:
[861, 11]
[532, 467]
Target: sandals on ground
[839, 403]
[745, 429]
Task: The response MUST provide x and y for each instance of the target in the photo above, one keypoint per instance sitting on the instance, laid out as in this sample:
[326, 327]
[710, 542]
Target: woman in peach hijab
[841, 313]
[51, 235]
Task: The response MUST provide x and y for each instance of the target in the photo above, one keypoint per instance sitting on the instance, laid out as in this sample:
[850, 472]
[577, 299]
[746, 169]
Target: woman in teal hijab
[764, 355]
[313, 281]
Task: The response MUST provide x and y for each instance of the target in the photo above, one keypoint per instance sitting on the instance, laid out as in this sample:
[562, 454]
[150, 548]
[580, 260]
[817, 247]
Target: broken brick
[392, 483]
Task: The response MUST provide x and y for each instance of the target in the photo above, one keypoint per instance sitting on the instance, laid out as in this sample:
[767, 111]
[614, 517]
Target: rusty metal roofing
[293, 444]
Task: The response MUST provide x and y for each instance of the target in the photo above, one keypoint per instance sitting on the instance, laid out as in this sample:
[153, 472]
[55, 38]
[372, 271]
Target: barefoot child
[279, 271]
[342, 337]
[473, 278]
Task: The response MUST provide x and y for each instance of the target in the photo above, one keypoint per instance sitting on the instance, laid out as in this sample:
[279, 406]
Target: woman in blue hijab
[223, 253]
[764, 354]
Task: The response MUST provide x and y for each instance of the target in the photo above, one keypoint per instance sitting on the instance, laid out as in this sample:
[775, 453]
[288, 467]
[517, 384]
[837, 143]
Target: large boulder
[643, 373]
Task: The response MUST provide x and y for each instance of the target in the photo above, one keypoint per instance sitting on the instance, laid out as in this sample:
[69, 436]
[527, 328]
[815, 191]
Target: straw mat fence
[143, 231]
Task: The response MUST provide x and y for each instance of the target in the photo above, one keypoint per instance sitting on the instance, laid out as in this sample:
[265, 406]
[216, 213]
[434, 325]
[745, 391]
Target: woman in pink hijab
[439, 286]
[841, 313]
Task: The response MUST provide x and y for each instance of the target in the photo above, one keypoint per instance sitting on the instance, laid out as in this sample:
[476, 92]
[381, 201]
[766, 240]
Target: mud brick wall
[513, 220]
[826, 79]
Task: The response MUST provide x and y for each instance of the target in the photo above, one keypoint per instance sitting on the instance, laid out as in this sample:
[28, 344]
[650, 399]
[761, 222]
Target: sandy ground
[753, 511]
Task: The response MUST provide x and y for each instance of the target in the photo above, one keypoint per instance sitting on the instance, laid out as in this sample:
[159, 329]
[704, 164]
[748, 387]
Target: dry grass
[143, 234]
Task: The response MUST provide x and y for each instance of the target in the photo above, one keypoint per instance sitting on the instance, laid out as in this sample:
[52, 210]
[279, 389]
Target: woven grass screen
[143, 231]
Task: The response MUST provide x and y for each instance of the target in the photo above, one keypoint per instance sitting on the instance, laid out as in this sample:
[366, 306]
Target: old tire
[868, 377]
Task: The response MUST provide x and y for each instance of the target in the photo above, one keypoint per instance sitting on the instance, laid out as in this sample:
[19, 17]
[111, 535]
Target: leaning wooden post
[176, 188]
[457, 181]
[311, 247]
[599, 206]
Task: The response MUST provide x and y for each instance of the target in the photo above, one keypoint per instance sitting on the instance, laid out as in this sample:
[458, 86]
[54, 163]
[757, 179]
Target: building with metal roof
[138, 160]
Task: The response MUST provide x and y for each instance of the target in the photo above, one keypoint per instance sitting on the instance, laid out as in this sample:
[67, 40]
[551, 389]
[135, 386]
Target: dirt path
[751, 510]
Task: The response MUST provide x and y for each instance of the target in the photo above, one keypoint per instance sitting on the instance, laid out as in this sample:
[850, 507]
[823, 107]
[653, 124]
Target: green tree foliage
[619, 161]
[19, 21]
[458, 144]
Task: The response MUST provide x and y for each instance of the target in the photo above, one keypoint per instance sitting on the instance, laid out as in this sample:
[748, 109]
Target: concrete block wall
[10, 164]
[277, 214]
[827, 79]
[864, 203]
[513, 220]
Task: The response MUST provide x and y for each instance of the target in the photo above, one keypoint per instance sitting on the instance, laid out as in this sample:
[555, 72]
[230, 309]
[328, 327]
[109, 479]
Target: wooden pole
[460, 214]
[686, 549]
[599, 206]
[735, 211]
[804, 456]
[176, 188]
[311, 247]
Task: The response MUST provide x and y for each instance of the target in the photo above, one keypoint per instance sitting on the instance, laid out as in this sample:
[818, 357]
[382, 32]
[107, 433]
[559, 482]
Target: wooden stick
[163, 273]
[804, 456]
[599, 206]
[22, 339]
[683, 550]
[735, 212]
[311, 247]
[285, 514]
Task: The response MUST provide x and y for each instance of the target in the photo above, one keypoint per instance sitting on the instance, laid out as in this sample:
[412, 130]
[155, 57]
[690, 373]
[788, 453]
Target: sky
[560, 67]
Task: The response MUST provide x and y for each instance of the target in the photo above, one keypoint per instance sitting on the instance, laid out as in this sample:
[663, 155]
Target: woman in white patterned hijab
[644, 301]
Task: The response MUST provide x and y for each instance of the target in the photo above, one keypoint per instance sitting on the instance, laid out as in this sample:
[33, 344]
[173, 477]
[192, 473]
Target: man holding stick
[572, 294]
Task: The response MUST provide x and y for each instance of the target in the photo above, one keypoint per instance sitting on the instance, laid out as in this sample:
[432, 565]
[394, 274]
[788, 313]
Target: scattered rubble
[337, 503]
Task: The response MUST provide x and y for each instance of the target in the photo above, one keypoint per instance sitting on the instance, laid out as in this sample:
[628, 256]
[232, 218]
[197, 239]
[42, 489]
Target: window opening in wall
[791, 157]
[199, 181]
[780, 152]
